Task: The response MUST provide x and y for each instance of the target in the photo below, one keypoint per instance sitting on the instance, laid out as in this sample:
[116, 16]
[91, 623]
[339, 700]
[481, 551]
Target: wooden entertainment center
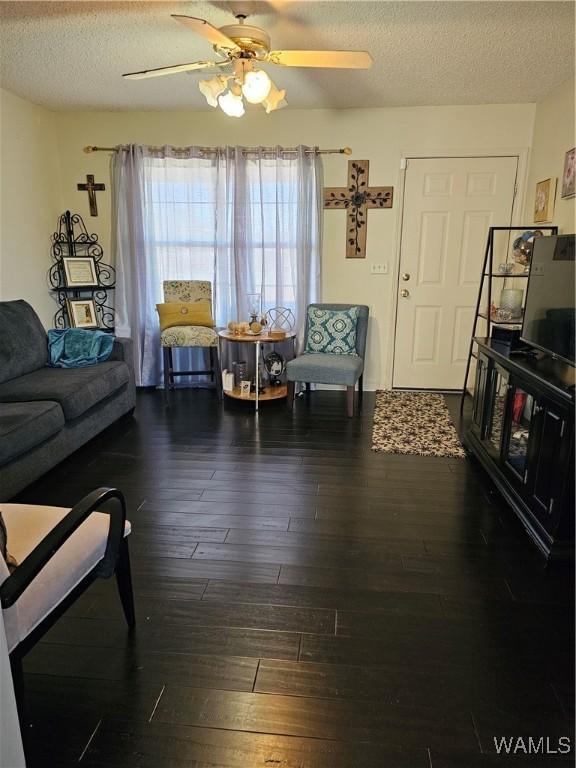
[522, 432]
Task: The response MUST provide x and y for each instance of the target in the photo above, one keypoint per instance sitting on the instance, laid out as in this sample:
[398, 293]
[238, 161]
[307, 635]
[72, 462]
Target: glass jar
[511, 300]
[240, 372]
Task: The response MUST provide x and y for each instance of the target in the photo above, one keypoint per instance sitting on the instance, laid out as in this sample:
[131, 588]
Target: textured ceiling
[70, 55]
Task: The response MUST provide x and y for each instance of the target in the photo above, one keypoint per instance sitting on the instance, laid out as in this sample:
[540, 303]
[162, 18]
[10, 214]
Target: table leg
[256, 377]
[219, 379]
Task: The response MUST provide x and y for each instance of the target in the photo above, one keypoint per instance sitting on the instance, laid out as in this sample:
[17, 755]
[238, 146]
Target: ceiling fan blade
[160, 71]
[212, 34]
[330, 59]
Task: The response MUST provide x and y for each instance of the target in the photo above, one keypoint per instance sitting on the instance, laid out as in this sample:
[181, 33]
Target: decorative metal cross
[91, 188]
[356, 198]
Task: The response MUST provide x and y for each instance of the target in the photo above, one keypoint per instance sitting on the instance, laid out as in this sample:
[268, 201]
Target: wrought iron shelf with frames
[73, 239]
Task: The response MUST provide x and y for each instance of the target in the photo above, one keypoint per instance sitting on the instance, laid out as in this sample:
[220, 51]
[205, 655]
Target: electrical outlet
[379, 269]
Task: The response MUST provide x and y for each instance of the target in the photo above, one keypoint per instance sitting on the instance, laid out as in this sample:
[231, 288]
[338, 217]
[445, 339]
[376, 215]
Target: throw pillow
[10, 561]
[176, 313]
[332, 330]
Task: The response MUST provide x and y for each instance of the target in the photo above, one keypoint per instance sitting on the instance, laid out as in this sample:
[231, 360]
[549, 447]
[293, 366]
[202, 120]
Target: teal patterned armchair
[323, 367]
[187, 336]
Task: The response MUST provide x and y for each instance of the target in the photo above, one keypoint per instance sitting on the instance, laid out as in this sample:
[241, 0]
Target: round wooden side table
[271, 393]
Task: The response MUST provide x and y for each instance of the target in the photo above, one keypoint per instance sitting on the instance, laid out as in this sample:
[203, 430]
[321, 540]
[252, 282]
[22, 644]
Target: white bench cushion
[27, 525]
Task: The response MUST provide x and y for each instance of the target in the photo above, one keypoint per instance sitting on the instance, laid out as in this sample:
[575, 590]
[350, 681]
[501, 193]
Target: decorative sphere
[281, 318]
[523, 245]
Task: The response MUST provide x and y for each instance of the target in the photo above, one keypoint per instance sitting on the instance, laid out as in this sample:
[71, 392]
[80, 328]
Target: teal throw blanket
[78, 348]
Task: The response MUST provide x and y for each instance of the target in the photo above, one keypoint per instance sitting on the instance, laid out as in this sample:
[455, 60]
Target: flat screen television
[549, 316]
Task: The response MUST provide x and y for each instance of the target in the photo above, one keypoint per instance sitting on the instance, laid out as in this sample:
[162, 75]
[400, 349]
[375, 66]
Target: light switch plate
[379, 269]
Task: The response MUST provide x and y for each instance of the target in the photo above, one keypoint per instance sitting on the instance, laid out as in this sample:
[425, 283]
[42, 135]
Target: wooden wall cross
[91, 188]
[357, 198]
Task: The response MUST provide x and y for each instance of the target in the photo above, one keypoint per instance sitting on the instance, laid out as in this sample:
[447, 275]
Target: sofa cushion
[23, 342]
[27, 525]
[24, 425]
[76, 389]
[324, 368]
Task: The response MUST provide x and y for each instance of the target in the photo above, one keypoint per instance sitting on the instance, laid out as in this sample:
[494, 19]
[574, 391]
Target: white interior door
[449, 203]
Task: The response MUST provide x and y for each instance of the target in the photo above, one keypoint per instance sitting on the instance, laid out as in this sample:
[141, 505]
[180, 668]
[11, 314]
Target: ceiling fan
[239, 47]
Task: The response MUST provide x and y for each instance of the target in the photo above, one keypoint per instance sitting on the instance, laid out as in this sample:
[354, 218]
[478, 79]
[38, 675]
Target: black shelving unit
[72, 239]
[486, 279]
[522, 433]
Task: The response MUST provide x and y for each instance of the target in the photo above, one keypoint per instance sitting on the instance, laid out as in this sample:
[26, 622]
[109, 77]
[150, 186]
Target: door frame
[521, 153]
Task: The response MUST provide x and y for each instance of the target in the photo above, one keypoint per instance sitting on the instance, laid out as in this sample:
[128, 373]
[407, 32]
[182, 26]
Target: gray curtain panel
[250, 222]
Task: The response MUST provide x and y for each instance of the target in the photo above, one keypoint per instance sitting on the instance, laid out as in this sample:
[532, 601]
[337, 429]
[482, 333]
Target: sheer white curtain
[248, 221]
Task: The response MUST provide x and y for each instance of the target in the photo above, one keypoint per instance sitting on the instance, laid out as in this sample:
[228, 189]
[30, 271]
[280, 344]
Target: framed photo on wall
[82, 313]
[79, 271]
[569, 174]
[544, 202]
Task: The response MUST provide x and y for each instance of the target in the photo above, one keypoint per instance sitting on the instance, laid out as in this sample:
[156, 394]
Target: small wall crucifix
[91, 188]
[356, 198]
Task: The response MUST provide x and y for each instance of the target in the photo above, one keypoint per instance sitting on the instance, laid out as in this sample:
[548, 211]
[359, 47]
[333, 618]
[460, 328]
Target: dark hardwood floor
[301, 603]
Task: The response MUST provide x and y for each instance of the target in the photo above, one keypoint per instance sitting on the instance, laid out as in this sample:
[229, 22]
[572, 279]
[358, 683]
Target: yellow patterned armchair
[189, 335]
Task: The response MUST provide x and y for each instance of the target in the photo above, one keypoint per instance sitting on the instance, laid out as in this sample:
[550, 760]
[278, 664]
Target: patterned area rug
[415, 423]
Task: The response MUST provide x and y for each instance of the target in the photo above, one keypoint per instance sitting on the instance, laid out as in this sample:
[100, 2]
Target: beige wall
[554, 135]
[41, 162]
[29, 201]
[380, 135]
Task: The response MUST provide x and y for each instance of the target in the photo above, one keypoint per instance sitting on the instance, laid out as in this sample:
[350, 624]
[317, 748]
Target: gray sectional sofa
[47, 413]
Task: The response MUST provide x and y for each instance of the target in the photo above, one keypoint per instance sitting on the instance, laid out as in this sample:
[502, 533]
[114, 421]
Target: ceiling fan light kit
[231, 104]
[241, 45]
[256, 86]
[252, 84]
[274, 100]
[213, 88]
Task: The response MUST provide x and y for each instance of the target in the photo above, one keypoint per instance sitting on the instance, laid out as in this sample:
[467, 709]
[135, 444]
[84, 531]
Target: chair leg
[361, 386]
[166, 357]
[291, 388]
[170, 368]
[212, 364]
[350, 401]
[124, 583]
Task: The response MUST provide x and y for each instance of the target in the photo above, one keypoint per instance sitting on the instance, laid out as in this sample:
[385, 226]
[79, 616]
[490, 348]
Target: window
[247, 221]
[202, 227]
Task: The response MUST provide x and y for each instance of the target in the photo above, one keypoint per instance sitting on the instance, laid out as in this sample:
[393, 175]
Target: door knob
[404, 293]
[406, 276]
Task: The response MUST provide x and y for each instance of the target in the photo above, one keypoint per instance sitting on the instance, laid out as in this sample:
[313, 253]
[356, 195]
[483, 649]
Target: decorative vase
[254, 306]
[511, 301]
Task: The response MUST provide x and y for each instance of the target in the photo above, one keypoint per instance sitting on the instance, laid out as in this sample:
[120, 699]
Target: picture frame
[245, 389]
[544, 201]
[569, 175]
[79, 271]
[82, 313]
